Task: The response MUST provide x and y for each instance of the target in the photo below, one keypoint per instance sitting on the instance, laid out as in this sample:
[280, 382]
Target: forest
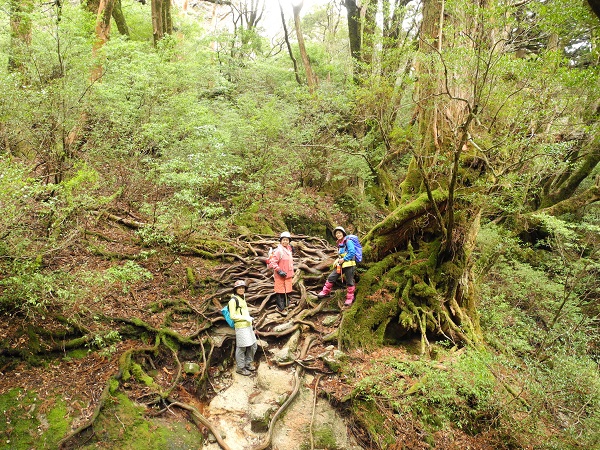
[152, 151]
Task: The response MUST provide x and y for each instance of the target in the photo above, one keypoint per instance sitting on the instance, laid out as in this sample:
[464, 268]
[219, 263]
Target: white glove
[248, 319]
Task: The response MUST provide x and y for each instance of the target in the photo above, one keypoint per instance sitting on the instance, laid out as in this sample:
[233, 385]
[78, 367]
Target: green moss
[253, 221]
[58, 426]
[325, 438]
[78, 353]
[143, 377]
[213, 245]
[368, 414]
[26, 426]
[122, 424]
[407, 320]
[113, 386]
[423, 290]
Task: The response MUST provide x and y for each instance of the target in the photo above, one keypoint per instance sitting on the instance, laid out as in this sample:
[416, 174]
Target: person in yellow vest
[245, 339]
[345, 265]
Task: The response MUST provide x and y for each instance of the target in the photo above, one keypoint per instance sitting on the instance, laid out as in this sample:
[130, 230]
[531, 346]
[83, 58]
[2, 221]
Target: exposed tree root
[199, 418]
[248, 265]
[133, 224]
[297, 383]
[68, 440]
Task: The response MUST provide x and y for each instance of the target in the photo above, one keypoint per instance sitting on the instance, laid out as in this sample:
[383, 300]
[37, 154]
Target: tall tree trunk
[368, 34]
[563, 185]
[354, 35]
[20, 33]
[120, 18]
[289, 46]
[105, 9]
[158, 26]
[311, 79]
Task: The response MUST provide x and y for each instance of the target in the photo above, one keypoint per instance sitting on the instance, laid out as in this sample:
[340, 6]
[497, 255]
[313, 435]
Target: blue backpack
[225, 312]
[357, 247]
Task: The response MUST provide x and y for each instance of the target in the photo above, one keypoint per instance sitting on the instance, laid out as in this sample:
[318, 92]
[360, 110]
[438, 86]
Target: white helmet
[285, 234]
[239, 283]
[339, 229]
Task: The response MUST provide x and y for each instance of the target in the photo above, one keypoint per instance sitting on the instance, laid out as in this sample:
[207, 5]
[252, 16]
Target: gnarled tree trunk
[419, 280]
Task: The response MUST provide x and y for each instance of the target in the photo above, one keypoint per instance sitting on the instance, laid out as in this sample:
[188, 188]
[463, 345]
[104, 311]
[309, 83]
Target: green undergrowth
[457, 391]
[536, 383]
[30, 423]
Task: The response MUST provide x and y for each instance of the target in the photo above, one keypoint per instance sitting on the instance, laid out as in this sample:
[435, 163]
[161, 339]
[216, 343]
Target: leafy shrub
[458, 393]
[126, 274]
[33, 291]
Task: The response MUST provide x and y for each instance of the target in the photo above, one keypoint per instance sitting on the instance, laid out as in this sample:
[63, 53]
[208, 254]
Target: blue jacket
[347, 251]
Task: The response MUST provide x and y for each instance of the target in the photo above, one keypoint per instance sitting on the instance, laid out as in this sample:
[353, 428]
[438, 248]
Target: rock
[329, 320]
[284, 355]
[333, 364]
[260, 417]
[191, 367]
[339, 355]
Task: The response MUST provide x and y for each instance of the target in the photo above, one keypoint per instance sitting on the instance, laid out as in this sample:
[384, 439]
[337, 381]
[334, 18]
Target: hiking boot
[251, 367]
[282, 311]
[326, 290]
[244, 372]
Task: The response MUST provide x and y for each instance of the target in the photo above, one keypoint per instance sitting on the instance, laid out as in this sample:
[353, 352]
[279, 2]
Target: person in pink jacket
[282, 263]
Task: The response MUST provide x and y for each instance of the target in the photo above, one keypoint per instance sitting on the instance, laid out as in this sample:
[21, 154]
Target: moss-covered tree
[468, 144]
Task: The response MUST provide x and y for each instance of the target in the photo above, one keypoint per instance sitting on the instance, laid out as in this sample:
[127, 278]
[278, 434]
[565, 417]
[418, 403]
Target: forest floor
[79, 376]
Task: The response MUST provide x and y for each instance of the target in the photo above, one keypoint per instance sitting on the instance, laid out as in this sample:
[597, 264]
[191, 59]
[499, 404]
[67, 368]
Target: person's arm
[276, 257]
[350, 250]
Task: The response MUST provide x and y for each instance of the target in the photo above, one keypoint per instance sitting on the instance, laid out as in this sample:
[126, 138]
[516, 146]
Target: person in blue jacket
[345, 265]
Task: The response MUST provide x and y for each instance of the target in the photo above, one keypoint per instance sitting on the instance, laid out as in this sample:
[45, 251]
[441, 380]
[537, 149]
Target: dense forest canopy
[460, 139]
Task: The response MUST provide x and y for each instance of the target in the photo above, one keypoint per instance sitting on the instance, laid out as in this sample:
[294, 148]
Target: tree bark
[311, 79]
[105, 8]
[119, 18]
[20, 33]
[354, 34]
[288, 45]
[562, 187]
[161, 19]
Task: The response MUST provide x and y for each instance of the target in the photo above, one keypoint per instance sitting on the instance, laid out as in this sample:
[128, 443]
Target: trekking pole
[265, 355]
[285, 293]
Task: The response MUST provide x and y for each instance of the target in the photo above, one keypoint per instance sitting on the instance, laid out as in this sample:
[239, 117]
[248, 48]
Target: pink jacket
[282, 260]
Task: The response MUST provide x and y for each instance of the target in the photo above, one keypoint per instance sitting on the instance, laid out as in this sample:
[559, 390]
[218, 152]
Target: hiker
[245, 340]
[345, 266]
[282, 263]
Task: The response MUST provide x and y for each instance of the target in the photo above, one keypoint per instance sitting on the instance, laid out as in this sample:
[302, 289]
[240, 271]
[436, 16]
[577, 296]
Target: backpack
[225, 312]
[357, 247]
[270, 256]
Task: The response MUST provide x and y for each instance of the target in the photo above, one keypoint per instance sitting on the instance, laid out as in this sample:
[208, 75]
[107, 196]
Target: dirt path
[243, 409]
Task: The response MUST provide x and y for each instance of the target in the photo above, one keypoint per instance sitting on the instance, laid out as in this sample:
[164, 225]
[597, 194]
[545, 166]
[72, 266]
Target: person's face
[285, 241]
[339, 235]
[240, 290]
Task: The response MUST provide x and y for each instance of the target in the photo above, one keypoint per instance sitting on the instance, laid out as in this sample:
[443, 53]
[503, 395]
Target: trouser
[348, 275]
[245, 355]
[281, 300]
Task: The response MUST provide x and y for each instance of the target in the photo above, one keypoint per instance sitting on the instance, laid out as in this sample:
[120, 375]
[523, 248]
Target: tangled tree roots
[245, 259]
